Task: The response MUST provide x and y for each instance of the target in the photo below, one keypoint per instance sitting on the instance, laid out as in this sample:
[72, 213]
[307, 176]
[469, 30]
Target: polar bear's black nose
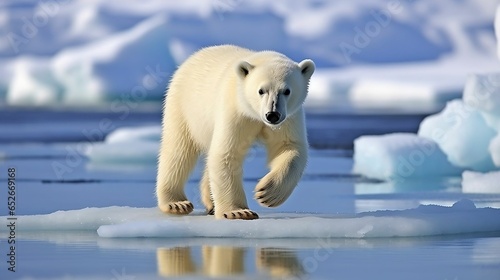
[273, 117]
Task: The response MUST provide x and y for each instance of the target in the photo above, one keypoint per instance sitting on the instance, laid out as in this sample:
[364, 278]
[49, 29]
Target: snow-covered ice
[96, 68]
[127, 145]
[33, 84]
[426, 220]
[85, 219]
[400, 156]
[463, 217]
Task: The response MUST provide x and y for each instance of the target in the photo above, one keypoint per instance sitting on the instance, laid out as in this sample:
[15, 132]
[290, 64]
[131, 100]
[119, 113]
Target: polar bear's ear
[243, 69]
[307, 68]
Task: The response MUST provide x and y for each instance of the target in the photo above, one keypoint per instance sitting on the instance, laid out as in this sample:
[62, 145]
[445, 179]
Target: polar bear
[219, 102]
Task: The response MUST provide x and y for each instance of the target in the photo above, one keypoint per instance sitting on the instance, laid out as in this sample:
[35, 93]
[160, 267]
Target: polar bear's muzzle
[273, 112]
[273, 117]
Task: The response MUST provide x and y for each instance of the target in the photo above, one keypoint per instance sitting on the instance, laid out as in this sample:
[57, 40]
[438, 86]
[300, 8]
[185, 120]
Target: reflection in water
[223, 261]
[279, 262]
[175, 261]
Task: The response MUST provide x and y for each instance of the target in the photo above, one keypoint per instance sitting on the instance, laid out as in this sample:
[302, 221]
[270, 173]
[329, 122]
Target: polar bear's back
[208, 67]
[202, 85]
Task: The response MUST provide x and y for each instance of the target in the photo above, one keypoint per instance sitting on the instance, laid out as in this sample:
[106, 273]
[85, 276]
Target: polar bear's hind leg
[206, 195]
[178, 155]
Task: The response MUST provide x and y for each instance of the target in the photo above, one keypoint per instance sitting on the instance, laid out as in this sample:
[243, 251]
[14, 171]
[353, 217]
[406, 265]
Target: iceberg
[494, 149]
[482, 92]
[400, 156]
[466, 133]
[463, 135]
[95, 72]
[33, 83]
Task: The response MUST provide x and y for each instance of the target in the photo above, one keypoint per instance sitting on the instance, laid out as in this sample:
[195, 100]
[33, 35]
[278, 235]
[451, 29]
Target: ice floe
[426, 220]
[400, 156]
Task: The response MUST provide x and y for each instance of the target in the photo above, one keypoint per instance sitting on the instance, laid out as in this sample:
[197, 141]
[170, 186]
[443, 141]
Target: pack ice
[464, 136]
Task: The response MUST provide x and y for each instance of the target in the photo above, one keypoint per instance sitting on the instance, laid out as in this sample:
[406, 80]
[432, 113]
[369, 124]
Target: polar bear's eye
[286, 92]
[261, 91]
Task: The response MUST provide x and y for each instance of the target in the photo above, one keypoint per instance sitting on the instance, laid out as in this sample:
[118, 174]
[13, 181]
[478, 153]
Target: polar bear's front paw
[178, 208]
[269, 194]
[242, 214]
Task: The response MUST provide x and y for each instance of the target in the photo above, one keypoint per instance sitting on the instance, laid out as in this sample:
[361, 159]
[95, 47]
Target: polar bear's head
[272, 87]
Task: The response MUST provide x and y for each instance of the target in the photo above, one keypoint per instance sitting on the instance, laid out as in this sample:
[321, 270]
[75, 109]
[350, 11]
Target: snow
[423, 82]
[410, 84]
[476, 182]
[88, 48]
[400, 156]
[426, 220]
[85, 219]
[383, 91]
[95, 67]
[33, 84]
[463, 217]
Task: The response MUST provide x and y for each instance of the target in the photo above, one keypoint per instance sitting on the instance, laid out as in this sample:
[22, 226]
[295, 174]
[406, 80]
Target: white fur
[213, 107]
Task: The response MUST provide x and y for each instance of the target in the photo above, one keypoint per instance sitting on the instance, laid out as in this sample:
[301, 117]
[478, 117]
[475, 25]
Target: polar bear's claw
[211, 211]
[178, 208]
[242, 214]
[269, 194]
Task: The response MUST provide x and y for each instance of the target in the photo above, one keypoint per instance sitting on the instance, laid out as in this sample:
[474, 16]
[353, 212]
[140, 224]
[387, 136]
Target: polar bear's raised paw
[177, 208]
[241, 214]
[269, 194]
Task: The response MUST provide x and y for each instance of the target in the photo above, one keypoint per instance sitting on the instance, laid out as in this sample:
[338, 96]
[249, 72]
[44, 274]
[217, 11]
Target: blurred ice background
[368, 52]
